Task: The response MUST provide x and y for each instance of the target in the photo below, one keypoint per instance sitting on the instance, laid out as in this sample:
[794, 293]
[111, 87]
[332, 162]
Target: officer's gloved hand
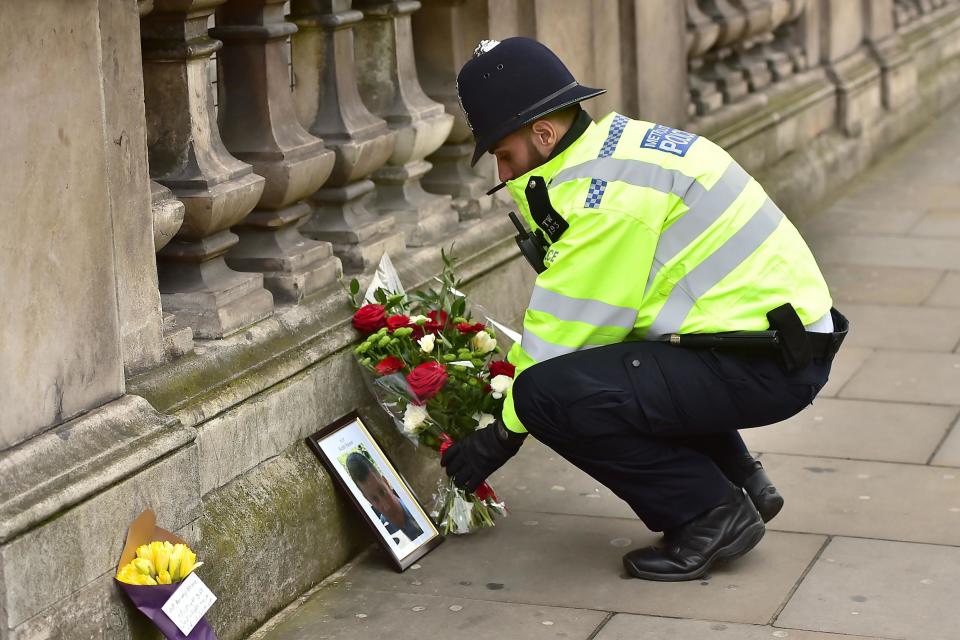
[471, 460]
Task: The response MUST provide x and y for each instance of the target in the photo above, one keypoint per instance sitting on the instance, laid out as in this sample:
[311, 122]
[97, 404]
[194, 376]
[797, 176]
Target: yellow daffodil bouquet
[153, 566]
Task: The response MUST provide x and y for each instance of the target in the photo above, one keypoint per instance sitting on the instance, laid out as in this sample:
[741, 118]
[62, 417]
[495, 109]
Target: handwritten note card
[188, 603]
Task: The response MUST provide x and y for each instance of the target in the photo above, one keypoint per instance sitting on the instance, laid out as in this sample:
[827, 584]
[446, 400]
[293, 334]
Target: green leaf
[354, 286]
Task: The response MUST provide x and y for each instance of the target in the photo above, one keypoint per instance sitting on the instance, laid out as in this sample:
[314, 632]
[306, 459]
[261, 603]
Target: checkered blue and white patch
[597, 186]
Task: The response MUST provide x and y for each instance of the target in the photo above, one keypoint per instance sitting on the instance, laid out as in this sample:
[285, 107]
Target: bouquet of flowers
[434, 368]
[153, 567]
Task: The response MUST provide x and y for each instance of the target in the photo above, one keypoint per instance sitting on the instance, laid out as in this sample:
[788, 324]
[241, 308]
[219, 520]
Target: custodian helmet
[509, 84]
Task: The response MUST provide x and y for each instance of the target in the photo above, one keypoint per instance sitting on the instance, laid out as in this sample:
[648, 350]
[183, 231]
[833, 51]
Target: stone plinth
[329, 105]
[389, 86]
[187, 155]
[259, 125]
[60, 347]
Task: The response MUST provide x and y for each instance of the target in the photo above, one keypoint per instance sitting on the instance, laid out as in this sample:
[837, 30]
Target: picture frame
[377, 490]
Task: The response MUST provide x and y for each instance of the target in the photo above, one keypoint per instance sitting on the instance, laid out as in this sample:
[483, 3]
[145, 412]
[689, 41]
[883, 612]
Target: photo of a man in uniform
[384, 500]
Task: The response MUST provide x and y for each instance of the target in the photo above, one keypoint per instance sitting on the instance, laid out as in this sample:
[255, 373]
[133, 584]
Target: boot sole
[768, 509]
[746, 541]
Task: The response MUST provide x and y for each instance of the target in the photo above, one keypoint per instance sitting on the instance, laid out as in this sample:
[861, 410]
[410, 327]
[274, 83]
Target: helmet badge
[484, 47]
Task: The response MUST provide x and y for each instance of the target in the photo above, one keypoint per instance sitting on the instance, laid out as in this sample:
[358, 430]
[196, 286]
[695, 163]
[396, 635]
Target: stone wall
[187, 179]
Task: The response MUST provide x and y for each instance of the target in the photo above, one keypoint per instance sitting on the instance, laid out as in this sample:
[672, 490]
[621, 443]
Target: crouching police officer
[674, 305]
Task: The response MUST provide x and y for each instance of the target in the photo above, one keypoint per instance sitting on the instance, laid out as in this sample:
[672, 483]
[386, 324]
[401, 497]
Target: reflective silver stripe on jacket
[635, 172]
[715, 268]
[705, 208]
[540, 349]
[593, 312]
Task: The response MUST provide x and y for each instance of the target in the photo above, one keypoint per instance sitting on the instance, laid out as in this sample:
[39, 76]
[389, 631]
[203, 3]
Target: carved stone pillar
[389, 86]
[329, 105]
[167, 217]
[188, 156]
[720, 67]
[445, 34]
[259, 125]
[702, 34]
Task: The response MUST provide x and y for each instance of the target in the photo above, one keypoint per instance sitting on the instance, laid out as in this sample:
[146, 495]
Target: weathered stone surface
[857, 218]
[54, 471]
[947, 291]
[905, 327]
[949, 452]
[846, 363]
[939, 223]
[275, 532]
[61, 556]
[357, 615]
[538, 479]
[876, 284]
[849, 590]
[890, 251]
[907, 377]
[857, 429]
[630, 627]
[867, 499]
[573, 561]
[138, 297]
[61, 350]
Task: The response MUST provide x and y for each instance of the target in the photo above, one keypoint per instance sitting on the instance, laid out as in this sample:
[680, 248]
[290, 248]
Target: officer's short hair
[359, 467]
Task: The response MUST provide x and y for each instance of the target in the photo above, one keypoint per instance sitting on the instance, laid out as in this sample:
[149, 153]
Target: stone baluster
[702, 34]
[748, 56]
[259, 125]
[389, 86]
[720, 67]
[329, 105]
[187, 156]
[786, 55]
[445, 34]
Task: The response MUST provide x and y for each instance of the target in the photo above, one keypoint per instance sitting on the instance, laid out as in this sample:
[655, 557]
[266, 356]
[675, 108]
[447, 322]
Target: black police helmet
[508, 85]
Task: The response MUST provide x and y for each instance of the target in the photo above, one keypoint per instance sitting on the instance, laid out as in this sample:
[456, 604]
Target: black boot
[763, 494]
[687, 552]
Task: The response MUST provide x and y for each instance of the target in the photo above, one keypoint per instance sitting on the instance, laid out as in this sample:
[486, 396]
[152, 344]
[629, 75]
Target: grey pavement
[868, 544]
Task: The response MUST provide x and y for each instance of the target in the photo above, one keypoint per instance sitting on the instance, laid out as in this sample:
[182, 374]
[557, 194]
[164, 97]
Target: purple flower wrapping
[149, 600]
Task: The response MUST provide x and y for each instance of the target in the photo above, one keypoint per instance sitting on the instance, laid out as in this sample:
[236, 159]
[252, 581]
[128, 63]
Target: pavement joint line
[853, 537]
[799, 580]
[886, 401]
[933, 290]
[940, 444]
[908, 464]
[600, 626]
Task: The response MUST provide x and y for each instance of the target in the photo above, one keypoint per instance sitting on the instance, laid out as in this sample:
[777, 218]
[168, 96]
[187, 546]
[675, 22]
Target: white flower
[414, 417]
[418, 319]
[426, 342]
[483, 419]
[500, 384]
[482, 342]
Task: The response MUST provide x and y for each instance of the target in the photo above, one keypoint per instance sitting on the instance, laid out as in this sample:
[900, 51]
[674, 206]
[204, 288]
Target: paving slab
[906, 376]
[890, 251]
[627, 626]
[883, 431]
[938, 223]
[846, 363]
[537, 479]
[337, 611]
[903, 327]
[867, 499]
[856, 219]
[575, 562]
[946, 293]
[879, 588]
[881, 285]
[949, 452]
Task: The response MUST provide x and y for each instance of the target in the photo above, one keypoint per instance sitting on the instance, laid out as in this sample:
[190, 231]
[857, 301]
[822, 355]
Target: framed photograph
[377, 489]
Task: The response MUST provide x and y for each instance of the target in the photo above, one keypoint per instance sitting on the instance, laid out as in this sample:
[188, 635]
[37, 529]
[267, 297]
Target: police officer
[646, 237]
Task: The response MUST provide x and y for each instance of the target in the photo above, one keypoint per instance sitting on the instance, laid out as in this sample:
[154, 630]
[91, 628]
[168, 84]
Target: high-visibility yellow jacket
[667, 234]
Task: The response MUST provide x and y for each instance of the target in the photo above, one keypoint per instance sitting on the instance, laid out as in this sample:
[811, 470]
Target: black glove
[471, 460]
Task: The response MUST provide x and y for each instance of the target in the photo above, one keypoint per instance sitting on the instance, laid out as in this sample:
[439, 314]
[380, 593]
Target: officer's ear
[545, 134]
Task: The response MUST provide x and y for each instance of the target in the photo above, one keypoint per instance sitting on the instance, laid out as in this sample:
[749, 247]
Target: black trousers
[643, 418]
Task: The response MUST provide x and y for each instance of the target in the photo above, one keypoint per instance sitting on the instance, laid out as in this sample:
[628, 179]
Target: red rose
[502, 368]
[466, 327]
[390, 364]
[369, 318]
[397, 322]
[427, 379]
[437, 321]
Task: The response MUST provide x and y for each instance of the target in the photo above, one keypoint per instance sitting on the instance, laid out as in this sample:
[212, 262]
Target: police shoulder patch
[668, 139]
